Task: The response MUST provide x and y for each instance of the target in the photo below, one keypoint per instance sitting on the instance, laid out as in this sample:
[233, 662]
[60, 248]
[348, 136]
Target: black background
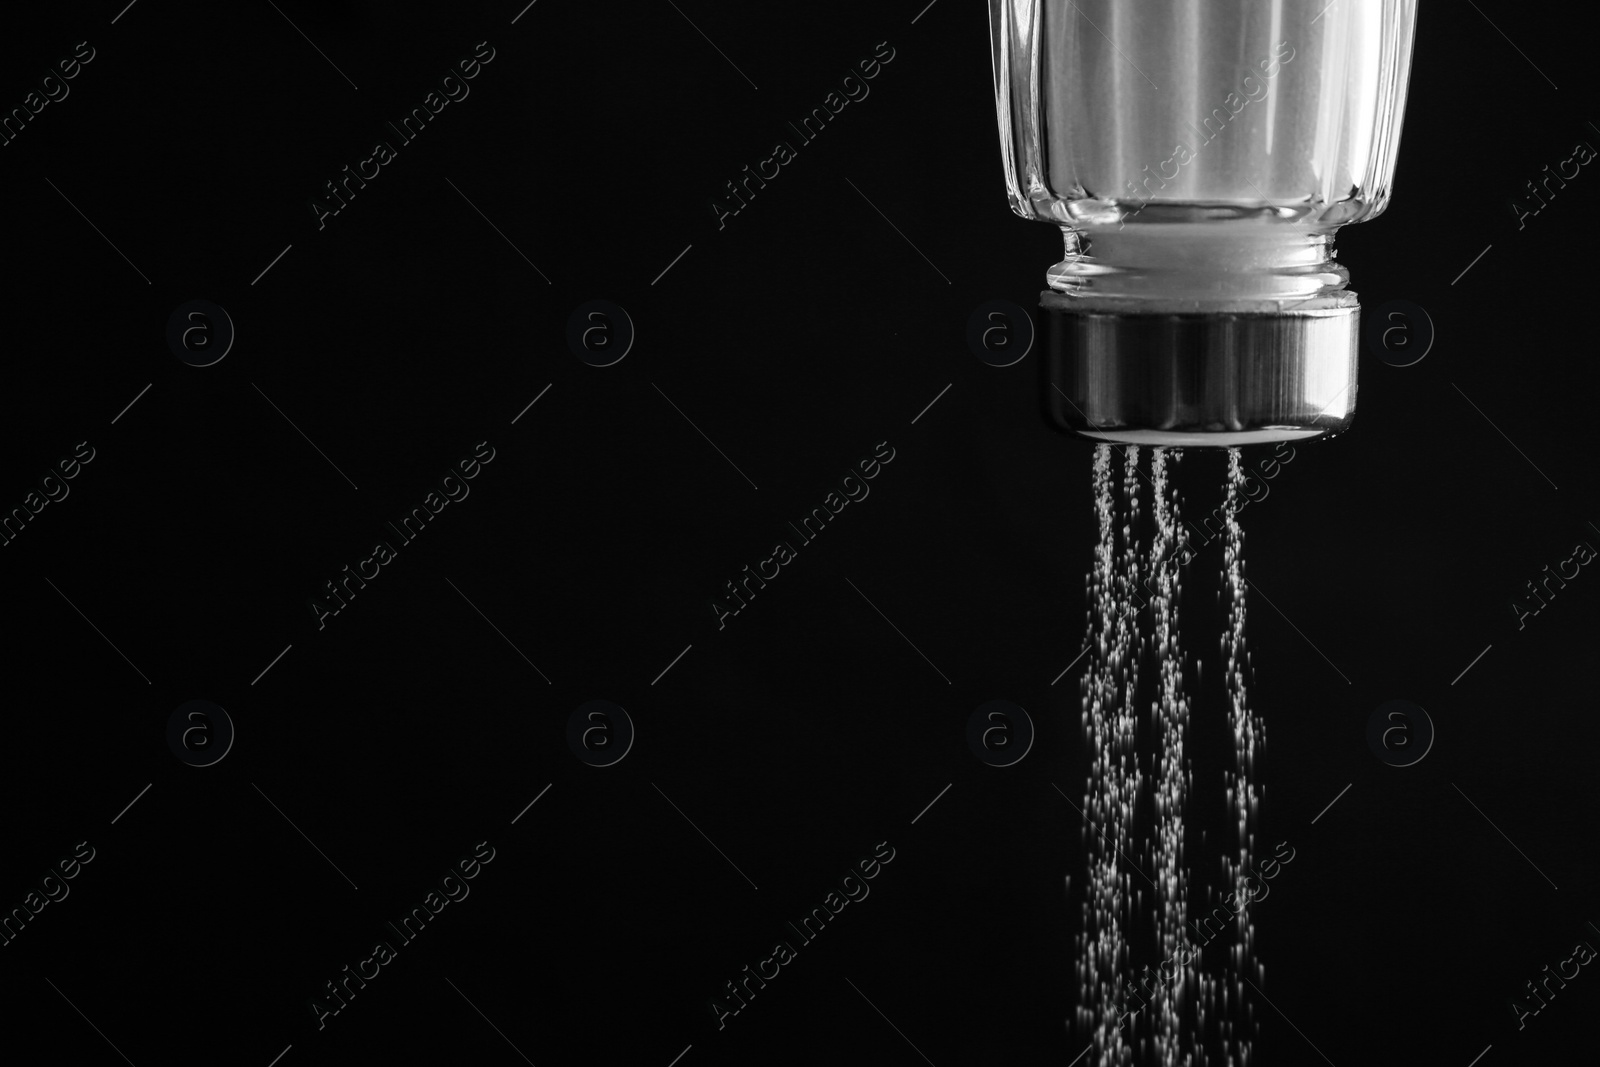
[796, 338]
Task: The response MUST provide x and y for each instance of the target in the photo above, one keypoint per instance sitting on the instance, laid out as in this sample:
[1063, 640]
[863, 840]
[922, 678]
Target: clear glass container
[1199, 156]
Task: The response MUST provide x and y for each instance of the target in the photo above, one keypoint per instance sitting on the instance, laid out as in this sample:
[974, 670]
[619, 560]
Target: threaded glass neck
[1230, 266]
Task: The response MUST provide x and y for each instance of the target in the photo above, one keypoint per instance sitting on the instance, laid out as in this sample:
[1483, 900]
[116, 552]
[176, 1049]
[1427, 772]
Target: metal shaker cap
[1212, 379]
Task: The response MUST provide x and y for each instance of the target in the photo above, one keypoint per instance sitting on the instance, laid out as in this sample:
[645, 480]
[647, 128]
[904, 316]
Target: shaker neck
[1199, 267]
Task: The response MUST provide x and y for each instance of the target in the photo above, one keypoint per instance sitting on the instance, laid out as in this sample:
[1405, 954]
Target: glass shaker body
[1199, 156]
